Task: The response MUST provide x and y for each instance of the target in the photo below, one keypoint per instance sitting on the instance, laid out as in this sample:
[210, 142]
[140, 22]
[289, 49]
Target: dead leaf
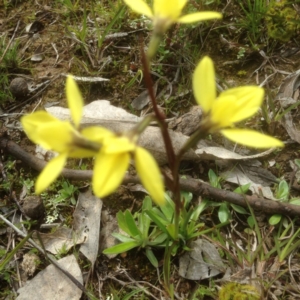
[257, 173]
[87, 216]
[296, 169]
[110, 226]
[291, 127]
[63, 238]
[239, 177]
[187, 123]
[203, 261]
[87, 79]
[38, 54]
[214, 153]
[289, 94]
[151, 139]
[143, 98]
[51, 283]
[289, 90]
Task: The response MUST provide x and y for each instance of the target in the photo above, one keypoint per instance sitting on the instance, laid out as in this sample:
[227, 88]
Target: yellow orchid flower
[166, 12]
[112, 162]
[61, 136]
[231, 106]
[112, 152]
[163, 15]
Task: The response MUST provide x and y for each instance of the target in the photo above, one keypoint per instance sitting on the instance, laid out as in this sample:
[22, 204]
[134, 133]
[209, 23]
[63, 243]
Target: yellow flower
[231, 106]
[166, 12]
[61, 136]
[113, 153]
[113, 161]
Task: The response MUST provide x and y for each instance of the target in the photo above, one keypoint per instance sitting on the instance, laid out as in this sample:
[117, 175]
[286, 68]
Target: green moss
[282, 21]
[237, 291]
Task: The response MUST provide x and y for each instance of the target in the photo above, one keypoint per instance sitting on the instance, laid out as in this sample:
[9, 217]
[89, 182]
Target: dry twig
[191, 185]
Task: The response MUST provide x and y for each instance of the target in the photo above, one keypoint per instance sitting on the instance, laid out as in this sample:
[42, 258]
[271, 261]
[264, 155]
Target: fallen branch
[191, 185]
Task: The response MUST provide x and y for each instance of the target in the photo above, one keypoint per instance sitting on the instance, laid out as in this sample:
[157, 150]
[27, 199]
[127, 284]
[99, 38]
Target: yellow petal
[118, 145]
[109, 172]
[50, 172]
[96, 133]
[150, 175]
[251, 138]
[248, 101]
[32, 121]
[222, 111]
[57, 136]
[140, 7]
[199, 17]
[49, 132]
[39, 116]
[168, 9]
[204, 85]
[74, 99]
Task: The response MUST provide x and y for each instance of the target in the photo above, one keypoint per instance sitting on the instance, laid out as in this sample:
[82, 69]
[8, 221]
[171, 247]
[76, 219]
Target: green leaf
[251, 222]
[120, 248]
[158, 221]
[158, 240]
[275, 219]
[166, 270]
[159, 213]
[151, 257]
[213, 203]
[130, 222]
[147, 203]
[122, 238]
[193, 230]
[295, 201]
[223, 213]
[186, 197]
[198, 210]
[185, 219]
[119, 13]
[175, 249]
[243, 189]
[239, 209]
[130, 295]
[214, 180]
[282, 191]
[144, 224]
[169, 208]
[171, 231]
[11, 254]
[297, 162]
[122, 222]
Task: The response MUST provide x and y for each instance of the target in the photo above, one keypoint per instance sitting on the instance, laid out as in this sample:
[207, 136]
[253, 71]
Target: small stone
[33, 207]
[19, 87]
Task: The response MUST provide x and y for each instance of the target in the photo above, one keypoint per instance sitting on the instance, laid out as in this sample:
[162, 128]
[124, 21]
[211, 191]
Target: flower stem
[81, 142]
[172, 160]
[153, 45]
